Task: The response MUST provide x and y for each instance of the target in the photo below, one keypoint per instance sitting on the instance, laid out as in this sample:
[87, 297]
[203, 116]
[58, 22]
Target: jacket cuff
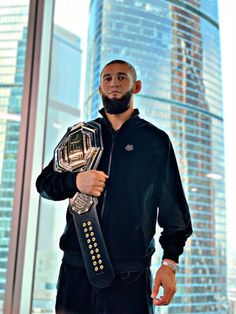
[69, 182]
[172, 253]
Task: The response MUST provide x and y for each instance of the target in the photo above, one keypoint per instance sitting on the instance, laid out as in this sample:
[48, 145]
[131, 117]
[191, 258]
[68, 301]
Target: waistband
[119, 265]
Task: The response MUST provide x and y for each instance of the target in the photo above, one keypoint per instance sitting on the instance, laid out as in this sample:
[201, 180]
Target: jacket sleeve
[173, 216]
[54, 185]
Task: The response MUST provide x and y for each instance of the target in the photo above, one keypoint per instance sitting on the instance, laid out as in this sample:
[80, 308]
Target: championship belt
[79, 150]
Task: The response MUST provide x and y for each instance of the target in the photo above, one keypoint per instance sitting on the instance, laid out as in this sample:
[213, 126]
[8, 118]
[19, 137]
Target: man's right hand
[91, 182]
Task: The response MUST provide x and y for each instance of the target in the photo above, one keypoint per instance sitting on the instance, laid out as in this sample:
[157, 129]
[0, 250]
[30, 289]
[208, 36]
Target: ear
[137, 87]
[100, 90]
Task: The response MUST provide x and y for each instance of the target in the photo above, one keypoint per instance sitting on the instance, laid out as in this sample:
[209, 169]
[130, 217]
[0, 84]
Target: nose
[114, 81]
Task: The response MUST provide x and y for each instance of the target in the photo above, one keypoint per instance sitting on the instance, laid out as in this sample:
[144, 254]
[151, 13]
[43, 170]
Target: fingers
[163, 300]
[100, 184]
[155, 289]
[164, 278]
[97, 190]
[91, 182]
[100, 175]
[95, 193]
[166, 298]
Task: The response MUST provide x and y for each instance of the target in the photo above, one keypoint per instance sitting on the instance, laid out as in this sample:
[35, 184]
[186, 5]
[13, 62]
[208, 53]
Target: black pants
[129, 293]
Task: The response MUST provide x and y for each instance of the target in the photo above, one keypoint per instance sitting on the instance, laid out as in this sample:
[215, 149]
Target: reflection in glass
[13, 36]
[63, 111]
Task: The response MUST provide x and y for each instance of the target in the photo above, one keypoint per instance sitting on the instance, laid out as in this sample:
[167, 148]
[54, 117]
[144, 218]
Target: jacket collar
[127, 123]
[103, 113]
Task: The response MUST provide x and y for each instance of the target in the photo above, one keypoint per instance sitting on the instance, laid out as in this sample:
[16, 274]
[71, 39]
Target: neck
[117, 120]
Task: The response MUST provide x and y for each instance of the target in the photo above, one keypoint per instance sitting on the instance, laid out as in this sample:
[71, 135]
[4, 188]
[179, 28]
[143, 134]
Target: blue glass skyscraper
[174, 45]
[13, 34]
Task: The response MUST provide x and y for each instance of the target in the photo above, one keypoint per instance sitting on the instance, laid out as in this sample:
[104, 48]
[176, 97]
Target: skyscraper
[13, 34]
[174, 45]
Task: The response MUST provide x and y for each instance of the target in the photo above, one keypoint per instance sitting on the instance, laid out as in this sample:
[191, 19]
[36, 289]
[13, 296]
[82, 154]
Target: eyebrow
[119, 73]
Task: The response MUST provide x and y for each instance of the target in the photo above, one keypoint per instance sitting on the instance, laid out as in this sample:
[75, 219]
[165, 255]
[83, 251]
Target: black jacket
[144, 185]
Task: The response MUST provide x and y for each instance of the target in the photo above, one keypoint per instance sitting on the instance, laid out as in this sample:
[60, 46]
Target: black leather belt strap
[96, 259]
[79, 150]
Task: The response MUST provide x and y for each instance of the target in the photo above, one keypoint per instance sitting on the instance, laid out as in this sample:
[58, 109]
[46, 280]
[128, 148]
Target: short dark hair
[123, 62]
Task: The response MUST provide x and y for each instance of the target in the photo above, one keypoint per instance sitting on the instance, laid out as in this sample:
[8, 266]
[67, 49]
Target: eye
[107, 79]
[121, 77]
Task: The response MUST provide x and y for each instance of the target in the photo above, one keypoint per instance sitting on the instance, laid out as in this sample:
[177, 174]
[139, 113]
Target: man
[137, 181]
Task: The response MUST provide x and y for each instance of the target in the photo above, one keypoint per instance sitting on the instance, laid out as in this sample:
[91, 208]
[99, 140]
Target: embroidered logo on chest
[129, 147]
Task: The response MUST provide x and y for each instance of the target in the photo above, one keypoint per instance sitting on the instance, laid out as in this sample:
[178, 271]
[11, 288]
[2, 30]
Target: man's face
[116, 80]
[116, 87]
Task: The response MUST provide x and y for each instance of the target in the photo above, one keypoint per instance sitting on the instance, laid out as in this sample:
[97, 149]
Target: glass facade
[174, 45]
[63, 111]
[13, 35]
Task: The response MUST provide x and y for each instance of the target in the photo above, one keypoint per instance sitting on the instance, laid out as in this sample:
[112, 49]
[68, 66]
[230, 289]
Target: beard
[117, 105]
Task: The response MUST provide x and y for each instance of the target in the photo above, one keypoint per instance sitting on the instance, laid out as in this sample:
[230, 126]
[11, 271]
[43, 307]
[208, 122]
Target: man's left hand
[165, 277]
